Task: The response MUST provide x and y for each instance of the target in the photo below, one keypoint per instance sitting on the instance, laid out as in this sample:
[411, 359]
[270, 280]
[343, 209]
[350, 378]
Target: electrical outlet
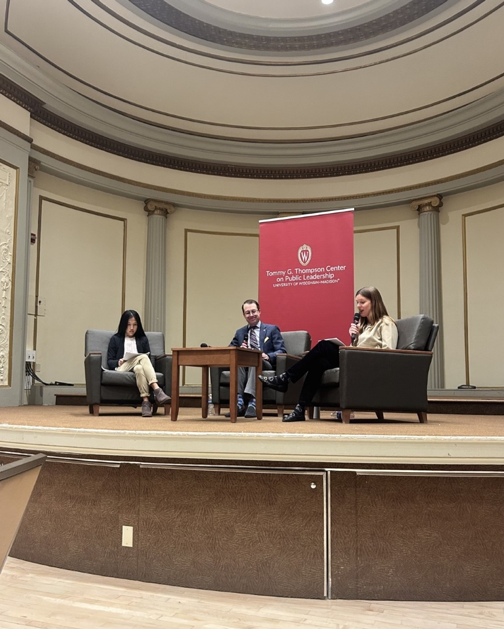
[31, 355]
[127, 536]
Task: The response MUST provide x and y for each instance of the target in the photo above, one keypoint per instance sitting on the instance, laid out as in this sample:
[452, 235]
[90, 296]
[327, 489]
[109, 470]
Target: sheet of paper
[335, 340]
[128, 355]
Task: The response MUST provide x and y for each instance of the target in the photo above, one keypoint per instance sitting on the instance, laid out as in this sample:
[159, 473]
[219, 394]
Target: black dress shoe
[279, 383]
[240, 412]
[297, 415]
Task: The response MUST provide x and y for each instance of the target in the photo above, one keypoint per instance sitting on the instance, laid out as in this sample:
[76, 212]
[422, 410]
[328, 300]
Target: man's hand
[265, 356]
[120, 362]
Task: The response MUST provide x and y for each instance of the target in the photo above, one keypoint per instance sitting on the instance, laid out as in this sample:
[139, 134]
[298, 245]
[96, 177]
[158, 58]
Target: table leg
[204, 392]
[233, 386]
[175, 387]
[259, 391]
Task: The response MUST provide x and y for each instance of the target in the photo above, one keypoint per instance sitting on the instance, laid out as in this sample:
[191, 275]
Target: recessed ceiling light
[327, 1]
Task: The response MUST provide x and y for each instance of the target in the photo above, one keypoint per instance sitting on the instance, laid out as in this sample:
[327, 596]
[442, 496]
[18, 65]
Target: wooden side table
[205, 357]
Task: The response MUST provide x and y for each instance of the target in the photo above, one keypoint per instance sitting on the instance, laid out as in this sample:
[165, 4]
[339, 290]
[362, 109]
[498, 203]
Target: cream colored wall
[212, 260]
[212, 268]
[472, 227]
[387, 256]
[78, 266]
[14, 115]
[472, 266]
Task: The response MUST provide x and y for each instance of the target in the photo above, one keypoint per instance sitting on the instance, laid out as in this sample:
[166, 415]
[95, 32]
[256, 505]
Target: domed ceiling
[259, 88]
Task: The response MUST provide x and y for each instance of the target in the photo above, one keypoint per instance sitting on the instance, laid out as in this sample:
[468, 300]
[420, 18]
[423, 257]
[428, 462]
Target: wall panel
[80, 281]
[377, 263]
[483, 273]
[417, 538]
[261, 533]
[471, 264]
[221, 271]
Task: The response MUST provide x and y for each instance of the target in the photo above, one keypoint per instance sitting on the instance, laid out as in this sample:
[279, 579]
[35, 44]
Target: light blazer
[270, 340]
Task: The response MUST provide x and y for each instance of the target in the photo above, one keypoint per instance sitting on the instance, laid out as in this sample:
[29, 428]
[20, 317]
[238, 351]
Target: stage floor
[122, 431]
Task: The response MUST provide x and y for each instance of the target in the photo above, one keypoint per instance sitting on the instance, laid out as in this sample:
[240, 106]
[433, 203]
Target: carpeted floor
[190, 420]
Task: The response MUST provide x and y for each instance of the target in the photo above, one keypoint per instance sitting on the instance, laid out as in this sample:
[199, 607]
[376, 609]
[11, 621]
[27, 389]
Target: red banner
[306, 273]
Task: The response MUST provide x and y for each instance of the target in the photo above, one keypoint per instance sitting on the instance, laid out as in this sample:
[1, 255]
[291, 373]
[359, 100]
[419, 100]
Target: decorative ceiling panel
[376, 27]
[371, 85]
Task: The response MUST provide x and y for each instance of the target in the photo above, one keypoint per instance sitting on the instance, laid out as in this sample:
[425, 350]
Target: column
[430, 278]
[33, 168]
[155, 281]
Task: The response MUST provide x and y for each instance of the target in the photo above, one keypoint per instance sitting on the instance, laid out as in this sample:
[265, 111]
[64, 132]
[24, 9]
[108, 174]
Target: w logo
[304, 254]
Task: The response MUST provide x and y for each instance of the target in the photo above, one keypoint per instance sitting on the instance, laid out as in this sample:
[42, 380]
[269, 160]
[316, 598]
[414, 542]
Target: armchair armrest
[290, 397]
[163, 364]
[92, 370]
[284, 362]
[389, 379]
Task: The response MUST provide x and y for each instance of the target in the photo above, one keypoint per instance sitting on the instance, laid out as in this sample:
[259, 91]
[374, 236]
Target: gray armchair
[380, 380]
[296, 342]
[104, 386]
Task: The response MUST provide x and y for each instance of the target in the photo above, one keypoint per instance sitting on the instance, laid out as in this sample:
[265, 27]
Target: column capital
[289, 214]
[429, 204]
[158, 208]
[33, 167]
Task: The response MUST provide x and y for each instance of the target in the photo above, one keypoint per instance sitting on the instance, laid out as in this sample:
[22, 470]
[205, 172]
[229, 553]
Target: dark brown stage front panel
[417, 538]
[72, 520]
[260, 533]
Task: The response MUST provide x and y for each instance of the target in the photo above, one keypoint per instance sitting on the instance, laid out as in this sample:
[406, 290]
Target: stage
[384, 510]
[119, 432]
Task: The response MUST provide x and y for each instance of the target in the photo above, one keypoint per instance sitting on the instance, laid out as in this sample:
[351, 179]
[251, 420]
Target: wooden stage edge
[122, 434]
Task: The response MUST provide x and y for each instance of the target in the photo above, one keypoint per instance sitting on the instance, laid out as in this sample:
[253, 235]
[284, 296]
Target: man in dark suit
[255, 335]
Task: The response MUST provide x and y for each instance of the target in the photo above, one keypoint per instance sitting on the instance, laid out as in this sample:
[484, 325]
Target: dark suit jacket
[270, 340]
[116, 349]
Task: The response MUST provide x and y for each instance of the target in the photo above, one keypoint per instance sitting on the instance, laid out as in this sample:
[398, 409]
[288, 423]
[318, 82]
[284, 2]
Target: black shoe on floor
[251, 411]
[297, 415]
[278, 383]
[240, 412]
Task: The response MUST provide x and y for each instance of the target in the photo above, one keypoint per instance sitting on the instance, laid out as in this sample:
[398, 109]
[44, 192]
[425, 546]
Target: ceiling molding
[113, 184]
[172, 17]
[249, 171]
[164, 160]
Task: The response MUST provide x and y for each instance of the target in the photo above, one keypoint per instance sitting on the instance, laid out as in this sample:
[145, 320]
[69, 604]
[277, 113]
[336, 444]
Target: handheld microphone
[356, 318]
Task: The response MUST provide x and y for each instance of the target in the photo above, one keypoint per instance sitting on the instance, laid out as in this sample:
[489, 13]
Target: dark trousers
[325, 355]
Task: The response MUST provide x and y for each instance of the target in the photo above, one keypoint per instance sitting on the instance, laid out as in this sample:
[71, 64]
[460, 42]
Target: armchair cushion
[124, 378]
[331, 377]
[414, 332]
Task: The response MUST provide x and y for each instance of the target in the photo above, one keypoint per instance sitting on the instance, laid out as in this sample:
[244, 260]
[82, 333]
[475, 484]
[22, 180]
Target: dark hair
[378, 310]
[250, 301]
[123, 323]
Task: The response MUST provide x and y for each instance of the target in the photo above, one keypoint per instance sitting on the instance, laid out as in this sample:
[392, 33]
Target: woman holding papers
[128, 350]
[372, 328]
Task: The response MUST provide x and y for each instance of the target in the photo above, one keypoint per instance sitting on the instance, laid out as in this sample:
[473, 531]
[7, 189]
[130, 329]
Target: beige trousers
[144, 372]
